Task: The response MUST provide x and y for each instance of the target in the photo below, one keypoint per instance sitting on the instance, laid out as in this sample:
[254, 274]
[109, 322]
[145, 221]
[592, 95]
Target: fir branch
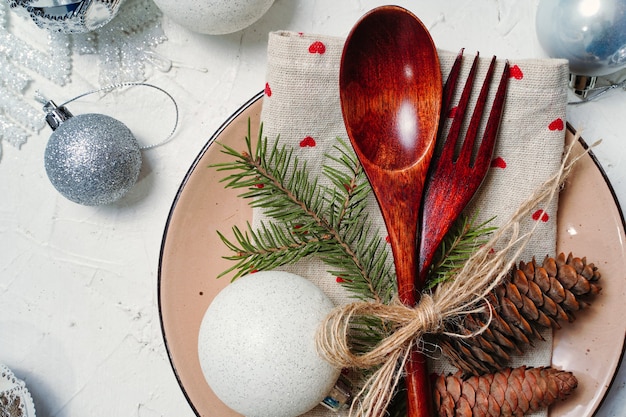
[306, 217]
[457, 246]
[266, 249]
[352, 184]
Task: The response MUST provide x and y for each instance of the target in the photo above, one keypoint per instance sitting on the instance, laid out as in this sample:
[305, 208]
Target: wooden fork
[453, 180]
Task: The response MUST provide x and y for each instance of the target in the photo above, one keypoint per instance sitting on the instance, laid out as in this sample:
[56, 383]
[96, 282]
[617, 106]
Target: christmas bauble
[591, 34]
[92, 159]
[68, 16]
[257, 345]
[214, 17]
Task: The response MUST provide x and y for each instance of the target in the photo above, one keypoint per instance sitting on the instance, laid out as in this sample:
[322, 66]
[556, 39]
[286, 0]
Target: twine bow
[465, 294]
[409, 323]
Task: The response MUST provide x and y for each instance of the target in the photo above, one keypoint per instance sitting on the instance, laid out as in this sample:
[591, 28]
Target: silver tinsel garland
[18, 118]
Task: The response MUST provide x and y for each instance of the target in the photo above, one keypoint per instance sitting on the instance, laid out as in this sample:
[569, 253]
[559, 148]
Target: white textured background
[78, 285]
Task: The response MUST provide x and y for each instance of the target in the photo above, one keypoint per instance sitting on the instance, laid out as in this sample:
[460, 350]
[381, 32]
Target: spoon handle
[399, 194]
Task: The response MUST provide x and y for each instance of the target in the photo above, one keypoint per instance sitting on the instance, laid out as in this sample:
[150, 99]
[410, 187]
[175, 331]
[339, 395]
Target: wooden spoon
[390, 89]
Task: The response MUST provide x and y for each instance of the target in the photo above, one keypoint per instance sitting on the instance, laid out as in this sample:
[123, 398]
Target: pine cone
[511, 392]
[530, 299]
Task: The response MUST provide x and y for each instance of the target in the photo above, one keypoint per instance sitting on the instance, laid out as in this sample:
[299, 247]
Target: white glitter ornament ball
[91, 159]
[214, 17]
[257, 345]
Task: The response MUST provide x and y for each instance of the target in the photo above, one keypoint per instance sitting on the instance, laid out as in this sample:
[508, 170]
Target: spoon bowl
[390, 89]
[386, 78]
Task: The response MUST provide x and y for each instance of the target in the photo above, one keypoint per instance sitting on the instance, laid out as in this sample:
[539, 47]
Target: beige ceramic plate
[590, 224]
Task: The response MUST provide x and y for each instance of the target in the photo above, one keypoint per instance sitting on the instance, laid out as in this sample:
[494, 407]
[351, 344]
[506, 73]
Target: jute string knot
[404, 322]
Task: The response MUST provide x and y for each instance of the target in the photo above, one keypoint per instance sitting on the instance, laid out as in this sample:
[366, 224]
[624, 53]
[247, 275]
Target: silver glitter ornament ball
[91, 159]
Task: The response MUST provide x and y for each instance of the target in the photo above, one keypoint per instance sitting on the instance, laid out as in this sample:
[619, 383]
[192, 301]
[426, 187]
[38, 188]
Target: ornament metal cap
[56, 115]
[582, 84]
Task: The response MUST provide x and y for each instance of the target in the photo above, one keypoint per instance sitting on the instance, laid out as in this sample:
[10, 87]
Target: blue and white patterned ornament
[68, 16]
[591, 34]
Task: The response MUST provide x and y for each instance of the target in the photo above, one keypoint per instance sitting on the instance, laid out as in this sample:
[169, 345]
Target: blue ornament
[68, 16]
[91, 159]
[591, 34]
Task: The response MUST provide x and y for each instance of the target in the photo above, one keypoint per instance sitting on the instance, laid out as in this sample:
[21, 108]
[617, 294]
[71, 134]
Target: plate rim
[170, 214]
[210, 142]
[607, 181]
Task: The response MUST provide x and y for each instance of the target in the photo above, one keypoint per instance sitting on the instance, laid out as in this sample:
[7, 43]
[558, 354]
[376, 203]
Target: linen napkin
[301, 105]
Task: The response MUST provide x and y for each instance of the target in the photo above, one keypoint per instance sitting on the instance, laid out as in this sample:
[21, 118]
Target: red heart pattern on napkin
[498, 162]
[516, 72]
[556, 124]
[308, 142]
[541, 215]
[317, 47]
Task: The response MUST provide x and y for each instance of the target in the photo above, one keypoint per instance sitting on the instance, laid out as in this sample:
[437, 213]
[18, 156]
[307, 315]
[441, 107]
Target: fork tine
[446, 102]
[461, 109]
[465, 156]
[450, 86]
[485, 152]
